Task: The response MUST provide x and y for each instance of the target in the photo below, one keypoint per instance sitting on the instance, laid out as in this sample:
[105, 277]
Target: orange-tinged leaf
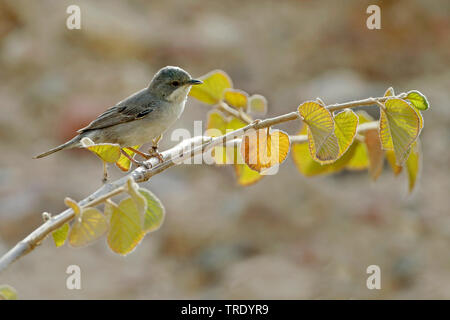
[413, 165]
[345, 124]
[257, 104]
[124, 163]
[400, 124]
[88, 227]
[262, 150]
[376, 153]
[236, 98]
[246, 176]
[155, 212]
[323, 143]
[211, 91]
[125, 231]
[60, 235]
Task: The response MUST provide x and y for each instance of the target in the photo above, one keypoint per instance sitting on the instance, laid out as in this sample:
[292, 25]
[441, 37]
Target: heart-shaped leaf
[236, 98]
[212, 89]
[399, 127]
[417, 99]
[323, 143]
[60, 235]
[257, 104]
[88, 227]
[262, 149]
[345, 124]
[155, 212]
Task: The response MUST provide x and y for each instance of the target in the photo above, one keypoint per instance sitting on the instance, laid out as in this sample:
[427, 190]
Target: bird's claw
[153, 153]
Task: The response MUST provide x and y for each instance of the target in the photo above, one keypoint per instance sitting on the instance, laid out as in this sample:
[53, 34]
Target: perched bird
[140, 118]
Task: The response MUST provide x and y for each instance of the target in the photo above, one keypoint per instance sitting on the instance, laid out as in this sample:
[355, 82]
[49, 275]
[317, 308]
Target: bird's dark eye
[175, 83]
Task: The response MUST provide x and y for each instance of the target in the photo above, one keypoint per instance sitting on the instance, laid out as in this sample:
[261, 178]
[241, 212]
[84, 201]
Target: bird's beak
[194, 82]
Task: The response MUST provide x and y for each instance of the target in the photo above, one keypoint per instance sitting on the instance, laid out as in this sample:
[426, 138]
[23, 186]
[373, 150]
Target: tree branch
[172, 157]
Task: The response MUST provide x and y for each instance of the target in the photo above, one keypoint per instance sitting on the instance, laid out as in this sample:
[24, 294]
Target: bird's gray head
[172, 84]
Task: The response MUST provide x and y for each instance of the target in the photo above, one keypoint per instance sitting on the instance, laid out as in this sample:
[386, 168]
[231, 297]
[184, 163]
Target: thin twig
[172, 157]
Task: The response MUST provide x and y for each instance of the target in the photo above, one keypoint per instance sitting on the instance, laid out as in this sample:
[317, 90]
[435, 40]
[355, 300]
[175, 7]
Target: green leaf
[125, 231]
[60, 235]
[155, 213]
[7, 293]
[417, 99]
[212, 89]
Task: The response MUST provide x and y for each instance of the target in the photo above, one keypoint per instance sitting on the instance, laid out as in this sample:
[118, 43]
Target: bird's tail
[73, 143]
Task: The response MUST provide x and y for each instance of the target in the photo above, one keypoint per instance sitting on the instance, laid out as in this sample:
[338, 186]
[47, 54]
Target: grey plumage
[142, 116]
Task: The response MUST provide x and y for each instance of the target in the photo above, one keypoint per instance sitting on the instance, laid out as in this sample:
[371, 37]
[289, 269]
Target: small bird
[140, 118]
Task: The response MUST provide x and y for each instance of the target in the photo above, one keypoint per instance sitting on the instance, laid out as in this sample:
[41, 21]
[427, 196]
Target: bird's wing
[119, 114]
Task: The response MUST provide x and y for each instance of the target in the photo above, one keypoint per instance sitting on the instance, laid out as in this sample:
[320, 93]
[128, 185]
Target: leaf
[417, 99]
[73, 205]
[155, 212]
[60, 235]
[345, 124]
[262, 150]
[7, 292]
[216, 121]
[257, 104]
[399, 127]
[376, 153]
[213, 86]
[124, 163]
[88, 227]
[323, 143]
[389, 92]
[360, 157]
[309, 167]
[138, 198]
[236, 98]
[108, 152]
[125, 231]
[390, 156]
[246, 176]
[413, 165]
[363, 117]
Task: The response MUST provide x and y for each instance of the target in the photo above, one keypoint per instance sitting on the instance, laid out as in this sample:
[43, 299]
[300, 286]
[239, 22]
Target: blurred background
[286, 237]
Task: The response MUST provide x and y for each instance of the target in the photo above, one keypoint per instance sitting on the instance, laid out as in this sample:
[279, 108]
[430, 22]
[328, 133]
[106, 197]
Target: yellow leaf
[390, 156]
[309, 167]
[73, 205]
[257, 104]
[417, 99]
[360, 157]
[216, 121]
[236, 98]
[376, 153]
[413, 165]
[345, 124]
[60, 235]
[323, 143]
[363, 117]
[124, 163]
[399, 127]
[139, 200]
[7, 293]
[389, 92]
[125, 230]
[262, 150]
[212, 89]
[246, 176]
[155, 212]
[108, 152]
[88, 227]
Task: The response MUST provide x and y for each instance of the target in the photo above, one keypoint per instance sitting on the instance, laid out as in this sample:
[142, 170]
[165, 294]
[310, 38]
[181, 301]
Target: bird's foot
[136, 162]
[153, 153]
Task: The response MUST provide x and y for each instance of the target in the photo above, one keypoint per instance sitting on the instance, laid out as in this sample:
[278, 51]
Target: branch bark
[172, 157]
